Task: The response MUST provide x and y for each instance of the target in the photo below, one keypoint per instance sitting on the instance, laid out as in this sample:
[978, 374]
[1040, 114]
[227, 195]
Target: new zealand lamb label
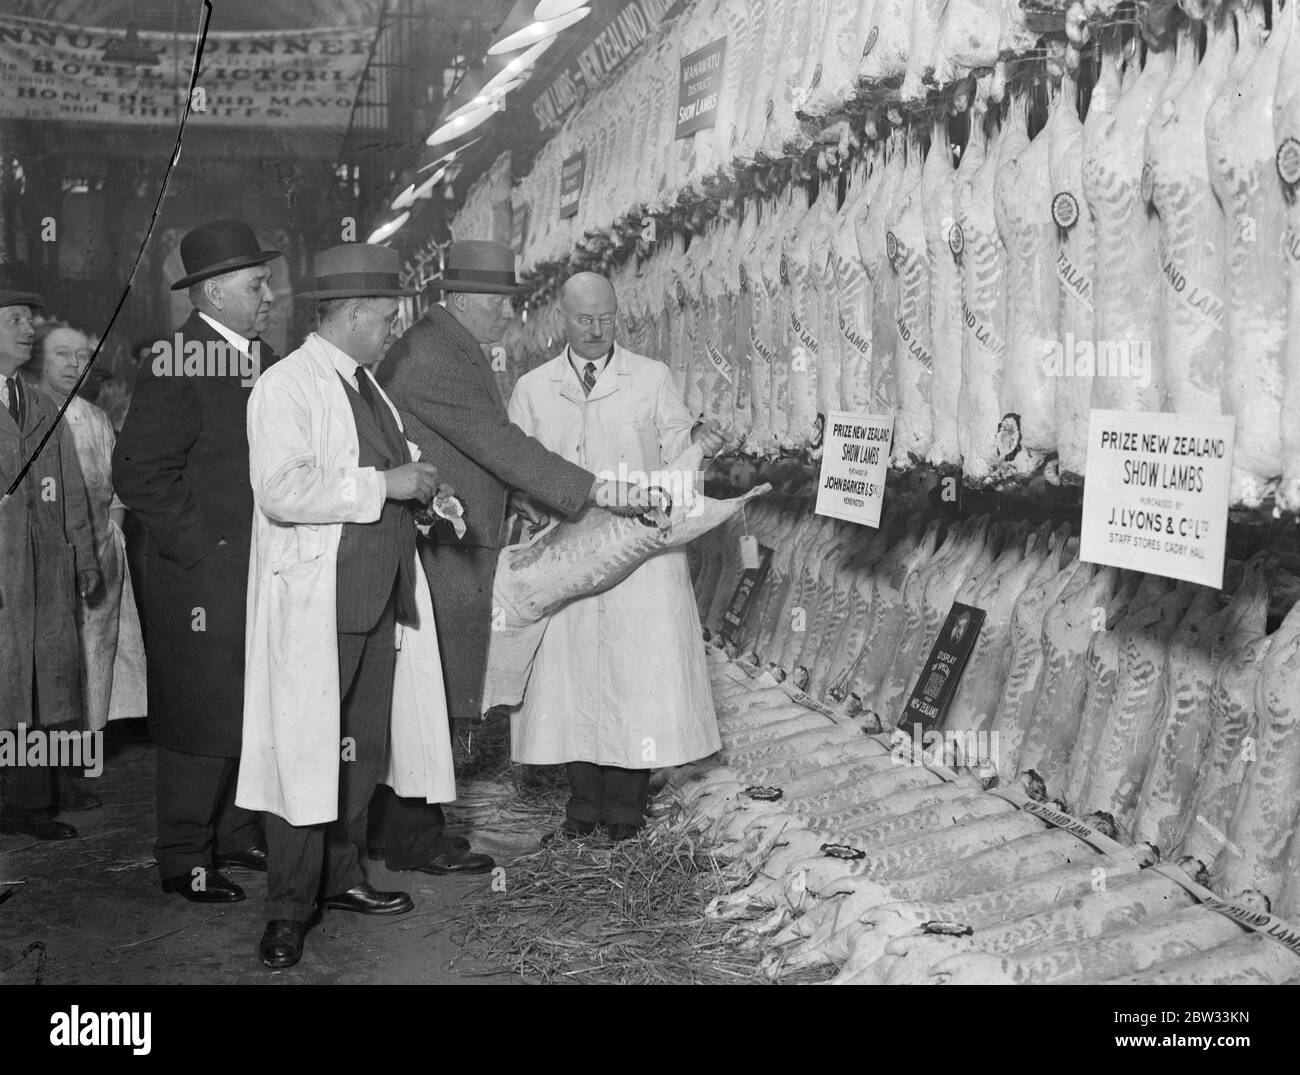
[742, 601]
[936, 686]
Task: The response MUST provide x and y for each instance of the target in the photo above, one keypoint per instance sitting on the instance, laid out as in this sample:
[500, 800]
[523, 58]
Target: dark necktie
[382, 415]
[589, 378]
[15, 401]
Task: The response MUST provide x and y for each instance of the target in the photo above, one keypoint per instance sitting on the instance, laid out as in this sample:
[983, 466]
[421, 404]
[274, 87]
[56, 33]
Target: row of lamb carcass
[784, 59]
[1166, 716]
[1142, 258]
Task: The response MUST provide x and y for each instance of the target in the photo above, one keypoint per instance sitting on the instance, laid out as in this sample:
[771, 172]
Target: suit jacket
[181, 464]
[372, 555]
[443, 386]
[451, 406]
[45, 538]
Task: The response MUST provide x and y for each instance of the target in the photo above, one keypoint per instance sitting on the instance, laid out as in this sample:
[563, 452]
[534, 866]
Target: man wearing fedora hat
[181, 465]
[47, 553]
[344, 682]
[451, 404]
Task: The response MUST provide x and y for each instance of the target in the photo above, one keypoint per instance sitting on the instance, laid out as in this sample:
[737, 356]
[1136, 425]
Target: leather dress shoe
[74, 798]
[621, 830]
[365, 899]
[377, 853]
[38, 823]
[215, 888]
[571, 830]
[251, 858]
[281, 943]
[457, 862]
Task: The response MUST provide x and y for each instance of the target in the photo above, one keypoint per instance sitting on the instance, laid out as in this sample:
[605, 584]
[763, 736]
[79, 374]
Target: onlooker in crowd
[600, 699]
[443, 385]
[112, 651]
[48, 555]
[335, 581]
[181, 462]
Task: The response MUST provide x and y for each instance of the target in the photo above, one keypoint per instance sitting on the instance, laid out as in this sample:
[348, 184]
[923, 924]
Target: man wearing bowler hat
[344, 681]
[181, 464]
[443, 385]
[47, 554]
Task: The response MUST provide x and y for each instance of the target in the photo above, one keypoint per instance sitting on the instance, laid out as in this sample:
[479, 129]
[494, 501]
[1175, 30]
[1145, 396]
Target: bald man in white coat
[619, 686]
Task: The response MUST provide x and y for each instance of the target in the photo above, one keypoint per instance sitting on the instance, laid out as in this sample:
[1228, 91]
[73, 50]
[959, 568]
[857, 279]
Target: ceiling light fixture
[453, 129]
[536, 31]
[385, 231]
[552, 9]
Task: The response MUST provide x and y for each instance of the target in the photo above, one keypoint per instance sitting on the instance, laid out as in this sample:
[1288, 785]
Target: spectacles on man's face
[586, 320]
[391, 319]
[81, 355]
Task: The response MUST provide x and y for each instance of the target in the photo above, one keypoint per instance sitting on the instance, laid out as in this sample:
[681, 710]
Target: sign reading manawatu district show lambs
[855, 458]
[1156, 498]
[698, 85]
[573, 172]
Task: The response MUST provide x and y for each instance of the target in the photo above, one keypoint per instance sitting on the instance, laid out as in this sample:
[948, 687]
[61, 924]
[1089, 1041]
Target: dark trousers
[33, 787]
[197, 814]
[304, 861]
[606, 794]
[409, 830]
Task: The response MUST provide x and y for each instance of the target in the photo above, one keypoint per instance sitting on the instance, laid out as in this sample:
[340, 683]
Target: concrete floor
[90, 910]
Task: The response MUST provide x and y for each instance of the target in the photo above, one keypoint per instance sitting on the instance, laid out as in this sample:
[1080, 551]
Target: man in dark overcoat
[442, 383]
[181, 464]
[47, 553]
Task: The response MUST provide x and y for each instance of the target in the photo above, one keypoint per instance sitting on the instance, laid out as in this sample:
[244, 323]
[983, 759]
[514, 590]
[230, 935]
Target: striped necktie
[15, 400]
[589, 378]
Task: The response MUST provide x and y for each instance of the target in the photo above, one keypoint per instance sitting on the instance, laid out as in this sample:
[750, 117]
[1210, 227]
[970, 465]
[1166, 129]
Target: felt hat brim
[229, 265]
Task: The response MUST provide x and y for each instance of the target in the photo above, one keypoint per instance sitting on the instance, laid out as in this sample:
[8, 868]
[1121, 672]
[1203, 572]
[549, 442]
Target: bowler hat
[21, 298]
[481, 266]
[356, 270]
[220, 246]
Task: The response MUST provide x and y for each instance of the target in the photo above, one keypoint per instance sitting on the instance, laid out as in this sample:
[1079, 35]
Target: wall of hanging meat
[953, 750]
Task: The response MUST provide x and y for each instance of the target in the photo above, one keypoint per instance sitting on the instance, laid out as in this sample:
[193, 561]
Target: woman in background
[112, 651]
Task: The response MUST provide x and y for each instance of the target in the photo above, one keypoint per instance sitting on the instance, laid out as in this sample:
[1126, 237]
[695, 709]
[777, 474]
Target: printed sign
[1156, 498]
[609, 49]
[746, 592]
[281, 79]
[855, 458]
[937, 684]
[572, 173]
[698, 86]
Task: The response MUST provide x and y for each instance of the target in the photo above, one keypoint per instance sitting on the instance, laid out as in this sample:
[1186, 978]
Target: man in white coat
[619, 686]
[342, 656]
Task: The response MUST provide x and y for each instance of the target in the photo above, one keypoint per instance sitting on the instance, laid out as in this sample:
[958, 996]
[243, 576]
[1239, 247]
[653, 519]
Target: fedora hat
[356, 270]
[479, 265]
[217, 247]
[21, 298]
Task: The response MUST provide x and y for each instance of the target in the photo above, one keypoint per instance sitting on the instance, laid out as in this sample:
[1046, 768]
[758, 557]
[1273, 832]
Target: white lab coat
[620, 677]
[303, 451]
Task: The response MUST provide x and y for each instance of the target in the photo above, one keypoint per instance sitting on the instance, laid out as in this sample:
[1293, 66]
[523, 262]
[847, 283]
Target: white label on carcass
[912, 338]
[1207, 306]
[719, 360]
[801, 330]
[1075, 282]
[796, 695]
[749, 552]
[982, 332]
[857, 340]
[760, 348]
